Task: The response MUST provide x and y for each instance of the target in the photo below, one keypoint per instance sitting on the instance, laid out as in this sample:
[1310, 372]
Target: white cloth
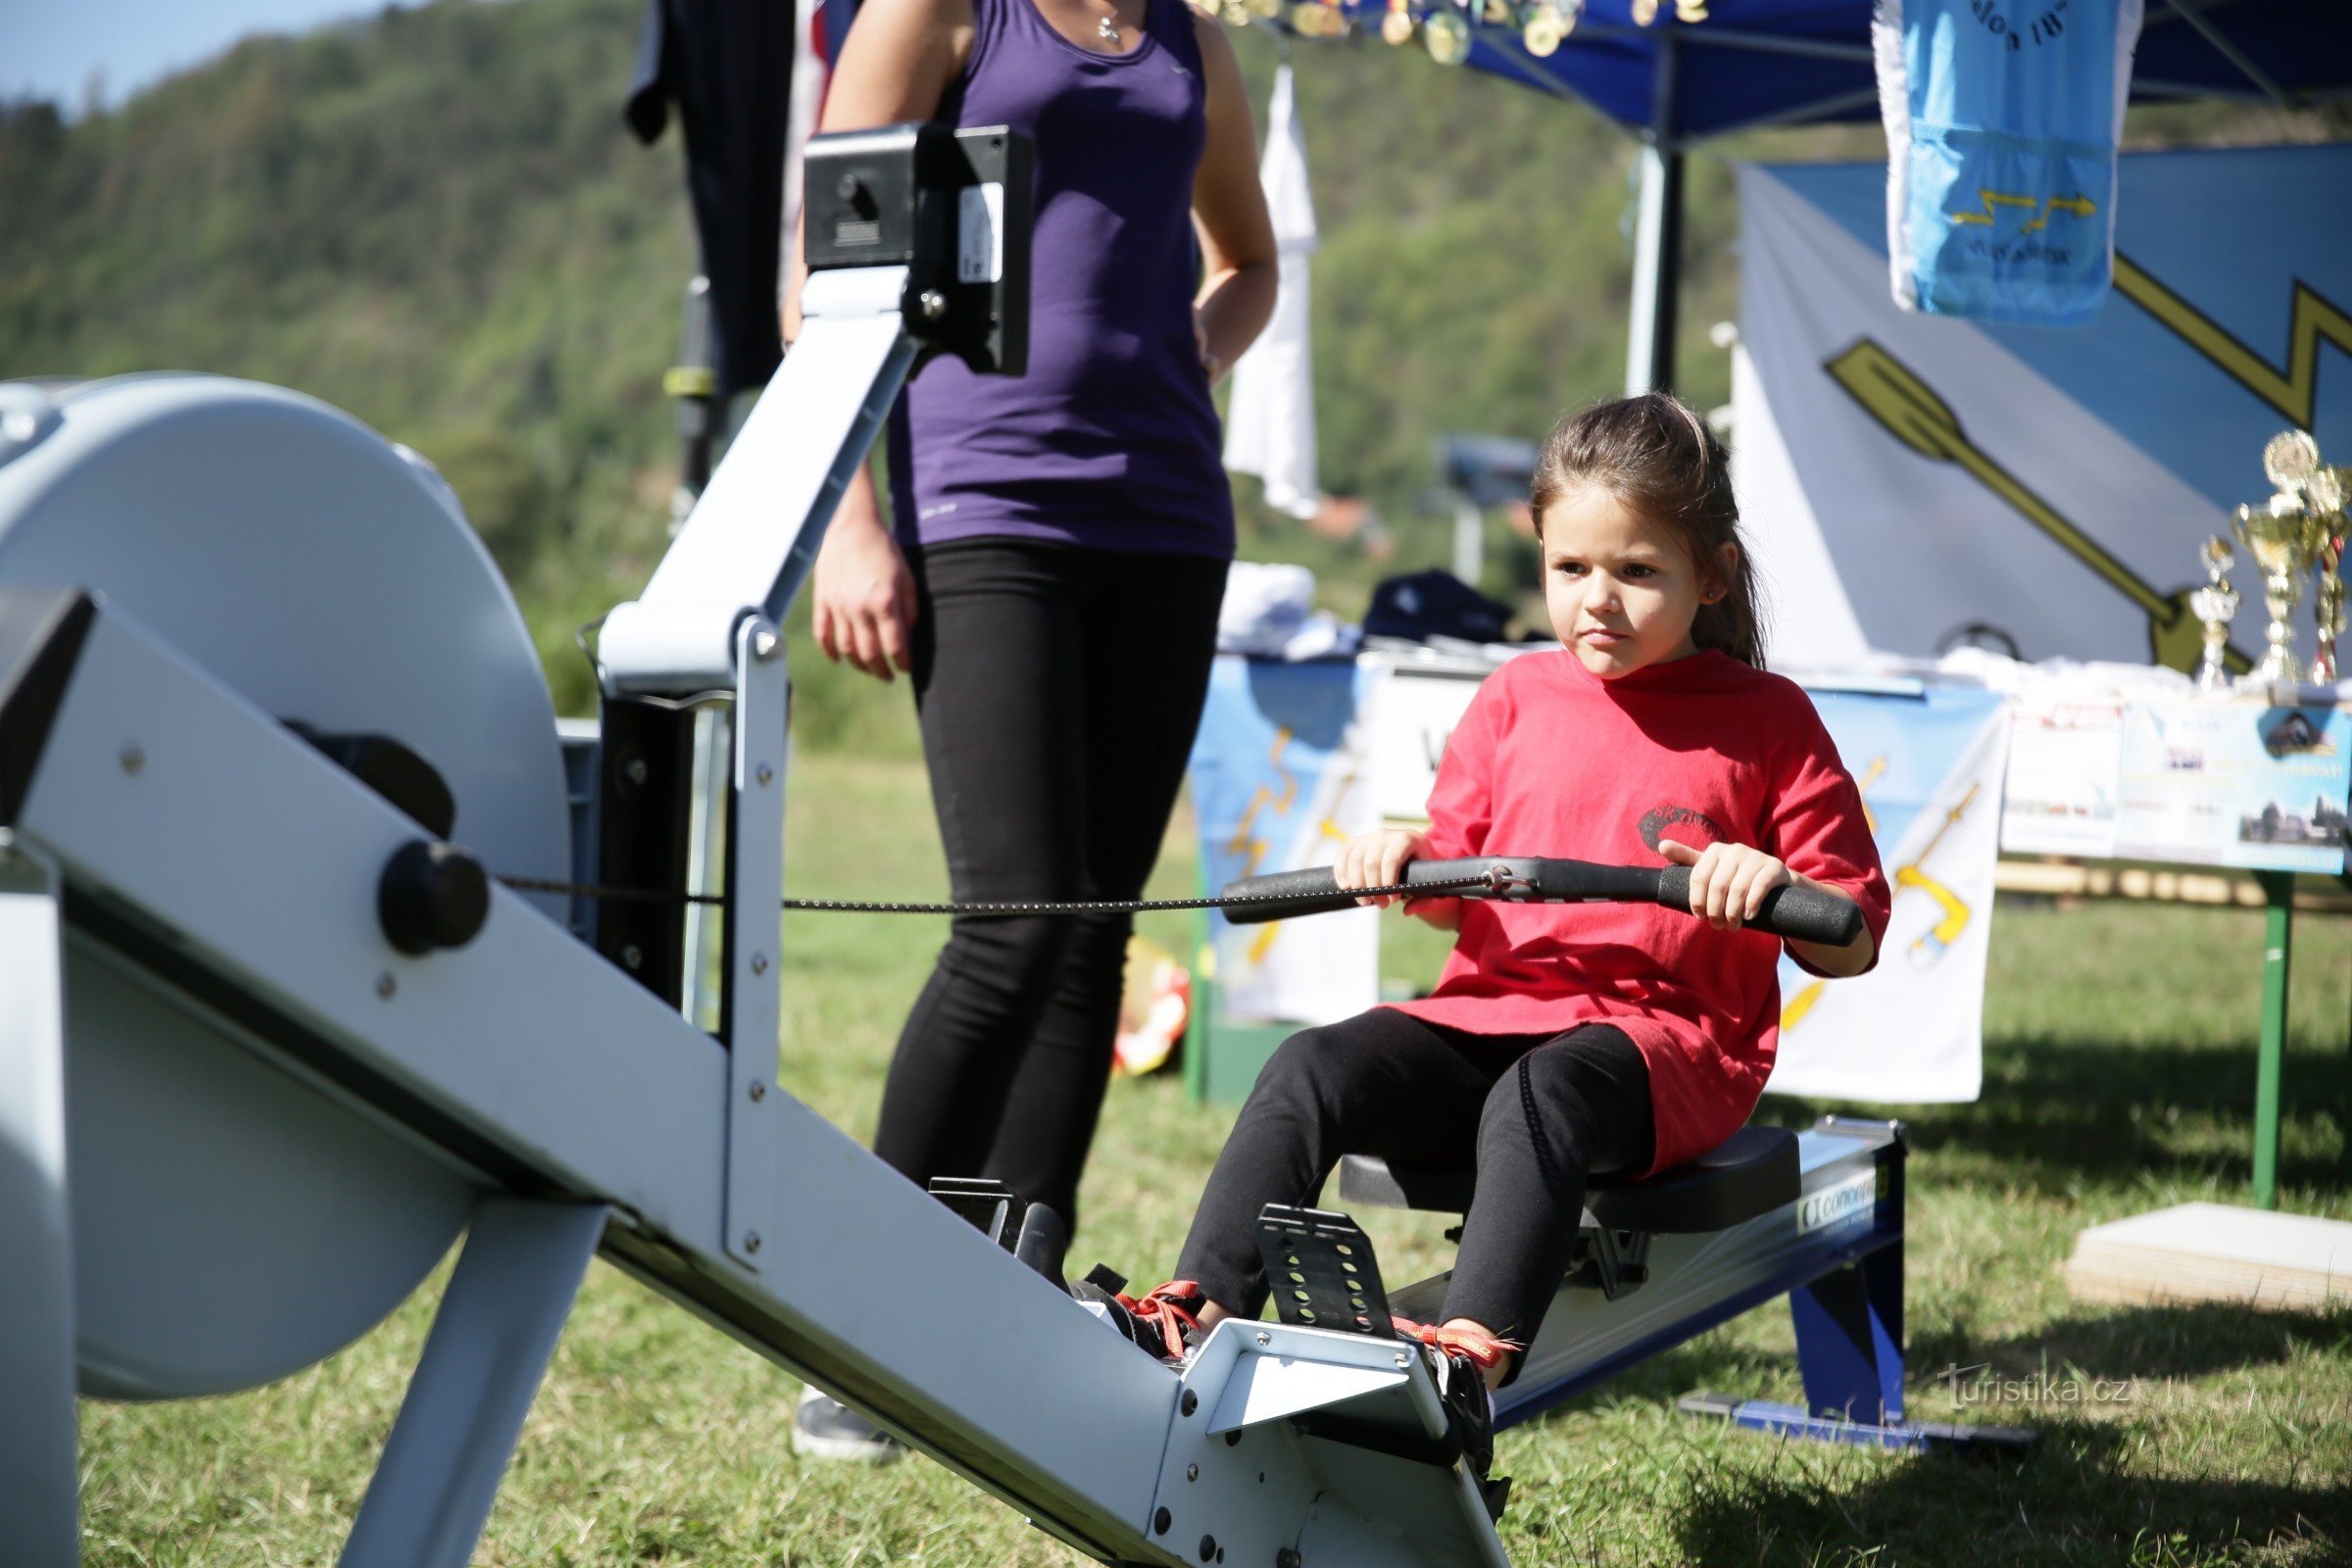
[1269, 612]
[1270, 421]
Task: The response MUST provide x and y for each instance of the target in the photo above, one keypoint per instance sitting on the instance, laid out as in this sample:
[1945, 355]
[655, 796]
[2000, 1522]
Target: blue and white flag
[2003, 117]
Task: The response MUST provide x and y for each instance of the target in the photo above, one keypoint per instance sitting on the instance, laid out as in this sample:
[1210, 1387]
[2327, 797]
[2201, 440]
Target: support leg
[37, 1457]
[2278, 889]
[497, 1327]
[1849, 1340]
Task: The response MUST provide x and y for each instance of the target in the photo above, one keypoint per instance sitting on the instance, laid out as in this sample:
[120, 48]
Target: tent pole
[1657, 237]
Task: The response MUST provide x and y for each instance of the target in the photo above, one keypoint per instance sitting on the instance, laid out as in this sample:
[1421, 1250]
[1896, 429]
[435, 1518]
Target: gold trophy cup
[2281, 538]
[2216, 606]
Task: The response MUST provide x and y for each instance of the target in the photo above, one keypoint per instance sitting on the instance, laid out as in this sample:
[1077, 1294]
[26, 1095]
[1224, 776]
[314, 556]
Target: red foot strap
[1172, 1306]
[1483, 1348]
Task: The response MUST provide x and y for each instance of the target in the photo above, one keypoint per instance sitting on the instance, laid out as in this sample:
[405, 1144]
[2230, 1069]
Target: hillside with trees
[434, 219]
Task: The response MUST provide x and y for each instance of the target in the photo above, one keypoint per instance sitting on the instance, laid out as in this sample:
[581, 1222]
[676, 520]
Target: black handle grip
[1805, 915]
[1314, 891]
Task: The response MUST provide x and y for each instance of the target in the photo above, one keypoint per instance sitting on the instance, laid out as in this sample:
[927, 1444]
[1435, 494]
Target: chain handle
[593, 890]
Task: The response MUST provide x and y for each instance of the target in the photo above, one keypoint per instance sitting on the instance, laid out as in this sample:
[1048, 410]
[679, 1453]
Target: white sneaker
[824, 1428]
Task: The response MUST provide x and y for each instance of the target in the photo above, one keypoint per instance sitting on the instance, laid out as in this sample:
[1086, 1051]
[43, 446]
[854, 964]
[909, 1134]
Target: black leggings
[1539, 1114]
[1058, 689]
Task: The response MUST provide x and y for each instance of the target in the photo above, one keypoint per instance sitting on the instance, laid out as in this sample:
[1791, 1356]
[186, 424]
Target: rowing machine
[263, 1059]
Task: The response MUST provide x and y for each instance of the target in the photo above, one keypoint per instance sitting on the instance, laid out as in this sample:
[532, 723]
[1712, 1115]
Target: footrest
[1322, 1272]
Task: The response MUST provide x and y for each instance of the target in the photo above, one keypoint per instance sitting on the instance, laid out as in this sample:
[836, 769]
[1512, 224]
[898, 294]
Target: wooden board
[2213, 1252]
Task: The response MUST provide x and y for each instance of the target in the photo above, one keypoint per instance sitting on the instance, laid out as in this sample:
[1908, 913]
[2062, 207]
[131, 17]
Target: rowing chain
[593, 890]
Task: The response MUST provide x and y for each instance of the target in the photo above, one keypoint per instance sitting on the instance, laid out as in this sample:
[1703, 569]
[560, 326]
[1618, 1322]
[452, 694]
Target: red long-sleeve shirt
[1551, 759]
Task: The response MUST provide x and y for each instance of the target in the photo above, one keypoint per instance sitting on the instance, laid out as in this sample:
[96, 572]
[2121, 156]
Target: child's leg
[1381, 1083]
[1572, 1106]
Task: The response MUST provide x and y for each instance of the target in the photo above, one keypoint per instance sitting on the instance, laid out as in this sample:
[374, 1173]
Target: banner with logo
[1911, 1031]
[2002, 116]
[1912, 480]
[1280, 780]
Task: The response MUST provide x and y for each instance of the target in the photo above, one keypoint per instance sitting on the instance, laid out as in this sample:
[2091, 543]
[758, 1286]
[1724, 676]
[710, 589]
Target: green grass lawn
[2118, 1078]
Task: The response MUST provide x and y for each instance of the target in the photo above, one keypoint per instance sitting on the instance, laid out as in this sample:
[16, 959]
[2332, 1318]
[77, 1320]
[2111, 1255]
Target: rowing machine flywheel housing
[235, 1220]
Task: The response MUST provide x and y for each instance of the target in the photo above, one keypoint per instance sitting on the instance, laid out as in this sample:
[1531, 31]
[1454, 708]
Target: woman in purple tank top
[1053, 579]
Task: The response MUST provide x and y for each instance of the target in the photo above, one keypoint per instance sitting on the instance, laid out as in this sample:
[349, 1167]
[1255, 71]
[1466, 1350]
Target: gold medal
[1447, 37]
[1546, 29]
[1645, 12]
[1397, 27]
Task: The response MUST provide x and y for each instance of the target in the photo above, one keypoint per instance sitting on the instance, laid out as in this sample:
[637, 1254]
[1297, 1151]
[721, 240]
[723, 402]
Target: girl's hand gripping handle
[1802, 914]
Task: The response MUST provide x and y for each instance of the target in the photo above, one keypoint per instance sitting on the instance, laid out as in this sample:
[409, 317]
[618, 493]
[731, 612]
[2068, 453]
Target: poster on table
[1912, 479]
[1279, 781]
[2065, 756]
[1911, 1031]
[2241, 784]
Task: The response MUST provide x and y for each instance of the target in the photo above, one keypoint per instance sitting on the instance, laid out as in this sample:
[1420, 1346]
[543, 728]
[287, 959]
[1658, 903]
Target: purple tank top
[1111, 440]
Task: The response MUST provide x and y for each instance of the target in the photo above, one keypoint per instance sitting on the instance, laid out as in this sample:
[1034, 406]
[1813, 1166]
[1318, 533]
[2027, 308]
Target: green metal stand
[2277, 947]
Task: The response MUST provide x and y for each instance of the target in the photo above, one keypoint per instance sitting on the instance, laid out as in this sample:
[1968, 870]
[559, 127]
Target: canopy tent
[1752, 63]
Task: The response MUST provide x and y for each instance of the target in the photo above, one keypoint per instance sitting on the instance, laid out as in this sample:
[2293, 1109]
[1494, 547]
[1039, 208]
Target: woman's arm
[1239, 274]
[895, 65]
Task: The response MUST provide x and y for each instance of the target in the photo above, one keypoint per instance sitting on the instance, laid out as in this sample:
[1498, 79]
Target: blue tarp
[1787, 62]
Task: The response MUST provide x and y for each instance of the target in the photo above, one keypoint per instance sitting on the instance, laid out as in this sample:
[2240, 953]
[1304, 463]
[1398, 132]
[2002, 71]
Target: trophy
[2216, 605]
[2279, 536]
[2324, 498]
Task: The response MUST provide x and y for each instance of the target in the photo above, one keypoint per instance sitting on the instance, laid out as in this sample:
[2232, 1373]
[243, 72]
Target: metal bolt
[1160, 1522]
[1288, 1557]
[1403, 1360]
[934, 303]
[1192, 1472]
[1209, 1548]
[764, 775]
[635, 770]
[385, 985]
[1264, 1337]
[759, 966]
[750, 1241]
[632, 957]
[765, 644]
[1190, 1402]
[133, 758]
[759, 1090]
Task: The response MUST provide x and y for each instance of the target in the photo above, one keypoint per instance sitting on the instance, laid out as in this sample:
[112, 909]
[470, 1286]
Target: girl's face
[1622, 591]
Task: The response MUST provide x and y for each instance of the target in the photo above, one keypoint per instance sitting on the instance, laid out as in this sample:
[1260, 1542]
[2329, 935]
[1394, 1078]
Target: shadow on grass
[2071, 1500]
[2054, 1109]
[2183, 1341]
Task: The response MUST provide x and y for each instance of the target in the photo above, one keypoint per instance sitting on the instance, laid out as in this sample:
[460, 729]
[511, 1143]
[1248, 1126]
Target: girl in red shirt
[1567, 1038]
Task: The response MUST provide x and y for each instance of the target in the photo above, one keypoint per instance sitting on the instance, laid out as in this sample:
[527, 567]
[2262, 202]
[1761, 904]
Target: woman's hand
[1728, 881]
[862, 606]
[1210, 366]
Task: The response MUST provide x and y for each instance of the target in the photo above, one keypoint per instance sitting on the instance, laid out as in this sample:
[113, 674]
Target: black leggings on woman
[1058, 689]
[1539, 1114]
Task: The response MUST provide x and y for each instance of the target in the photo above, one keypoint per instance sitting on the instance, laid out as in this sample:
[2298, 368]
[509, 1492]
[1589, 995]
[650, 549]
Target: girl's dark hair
[1656, 456]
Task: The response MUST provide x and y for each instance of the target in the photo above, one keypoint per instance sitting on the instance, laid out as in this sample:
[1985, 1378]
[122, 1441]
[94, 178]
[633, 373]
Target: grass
[2118, 1078]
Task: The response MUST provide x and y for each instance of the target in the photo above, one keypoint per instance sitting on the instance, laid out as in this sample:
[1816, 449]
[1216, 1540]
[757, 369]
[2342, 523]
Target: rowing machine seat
[1749, 1173]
